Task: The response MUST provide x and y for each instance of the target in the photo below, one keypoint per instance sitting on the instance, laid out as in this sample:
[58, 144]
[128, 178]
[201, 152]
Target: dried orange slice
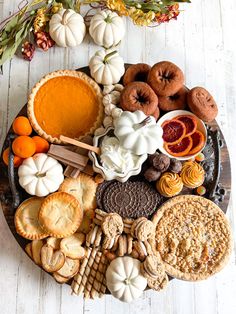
[180, 149]
[173, 131]
[198, 142]
[190, 123]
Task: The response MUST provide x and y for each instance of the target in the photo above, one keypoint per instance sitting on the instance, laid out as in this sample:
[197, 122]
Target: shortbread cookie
[72, 246]
[152, 267]
[60, 279]
[60, 214]
[127, 224]
[109, 255]
[70, 268]
[129, 243]
[142, 229]
[26, 219]
[51, 260]
[112, 225]
[83, 189]
[54, 242]
[28, 249]
[94, 237]
[36, 247]
[122, 248]
[110, 243]
[141, 249]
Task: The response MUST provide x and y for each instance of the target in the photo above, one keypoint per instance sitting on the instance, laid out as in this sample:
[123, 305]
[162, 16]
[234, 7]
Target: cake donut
[139, 96]
[165, 78]
[202, 104]
[178, 101]
[156, 113]
[136, 73]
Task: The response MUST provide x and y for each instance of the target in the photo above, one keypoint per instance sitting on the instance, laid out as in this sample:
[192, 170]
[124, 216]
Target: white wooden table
[203, 44]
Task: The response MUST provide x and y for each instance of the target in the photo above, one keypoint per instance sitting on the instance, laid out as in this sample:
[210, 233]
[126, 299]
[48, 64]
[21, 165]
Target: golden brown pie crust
[193, 237]
[89, 90]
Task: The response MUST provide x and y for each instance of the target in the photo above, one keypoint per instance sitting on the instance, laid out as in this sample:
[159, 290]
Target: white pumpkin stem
[127, 281]
[108, 19]
[64, 17]
[140, 125]
[109, 55]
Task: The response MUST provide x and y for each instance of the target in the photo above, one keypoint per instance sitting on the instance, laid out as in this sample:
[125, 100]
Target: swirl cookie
[26, 219]
[138, 96]
[202, 104]
[60, 215]
[165, 78]
[192, 174]
[72, 246]
[170, 184]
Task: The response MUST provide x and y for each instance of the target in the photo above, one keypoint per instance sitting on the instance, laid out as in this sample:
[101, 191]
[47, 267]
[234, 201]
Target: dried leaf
[11, 24]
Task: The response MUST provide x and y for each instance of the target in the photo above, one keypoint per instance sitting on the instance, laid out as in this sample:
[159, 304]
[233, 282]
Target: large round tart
[65, 103]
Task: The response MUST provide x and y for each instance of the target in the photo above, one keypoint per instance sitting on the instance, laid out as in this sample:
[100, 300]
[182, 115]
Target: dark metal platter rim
[10, 221]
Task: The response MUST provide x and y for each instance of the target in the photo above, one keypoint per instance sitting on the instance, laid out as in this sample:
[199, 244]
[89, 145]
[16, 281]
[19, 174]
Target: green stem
[109, 55]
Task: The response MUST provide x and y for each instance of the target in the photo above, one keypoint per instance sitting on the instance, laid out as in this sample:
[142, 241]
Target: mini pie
[193, 237]
[26, 219]
[83, 189]
[65, 103]
[60, 214]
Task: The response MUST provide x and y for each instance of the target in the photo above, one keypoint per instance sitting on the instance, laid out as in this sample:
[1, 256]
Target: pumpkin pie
[65, 103]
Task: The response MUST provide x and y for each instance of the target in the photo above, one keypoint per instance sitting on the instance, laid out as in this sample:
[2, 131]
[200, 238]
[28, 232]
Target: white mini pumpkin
[107, 67]
[107, 28]
[124, 279]
[40, 175]
[138, 132]
[67, 28]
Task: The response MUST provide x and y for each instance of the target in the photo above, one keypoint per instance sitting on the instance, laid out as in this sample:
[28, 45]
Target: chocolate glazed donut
[177, 101]
[165, 78]
[138, 96]
[136, 73]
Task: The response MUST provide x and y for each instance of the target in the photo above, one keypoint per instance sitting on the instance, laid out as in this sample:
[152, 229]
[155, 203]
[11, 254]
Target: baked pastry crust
[26, 219]
[64, 73]
[60, 214]
[83, 189]
[193, 237]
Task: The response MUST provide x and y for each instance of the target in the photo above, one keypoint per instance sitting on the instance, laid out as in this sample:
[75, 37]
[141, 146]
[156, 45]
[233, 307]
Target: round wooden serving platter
[217, 168]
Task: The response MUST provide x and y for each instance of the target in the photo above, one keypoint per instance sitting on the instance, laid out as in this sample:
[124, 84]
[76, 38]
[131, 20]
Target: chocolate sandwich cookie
[131, 199]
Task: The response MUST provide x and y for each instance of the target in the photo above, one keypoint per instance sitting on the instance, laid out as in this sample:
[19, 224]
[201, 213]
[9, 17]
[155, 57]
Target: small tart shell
[83, 189]
[26, 219]
[60, 214]
[61, 73]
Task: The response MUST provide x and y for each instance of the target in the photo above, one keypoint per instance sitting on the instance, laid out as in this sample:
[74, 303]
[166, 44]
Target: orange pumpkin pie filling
[65, 103]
